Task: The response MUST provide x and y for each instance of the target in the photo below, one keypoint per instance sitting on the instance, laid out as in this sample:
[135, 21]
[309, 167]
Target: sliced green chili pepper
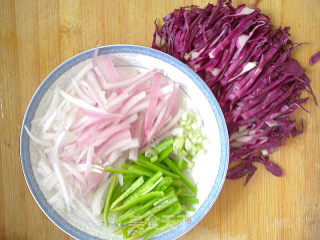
[189, 200]
[108, 202]
[134, 212]
[157, 208]
[181, 164]
[163, 145]
[119, 170]
[175, 169]
[164, 184]
[170, 211]
[140, 199]
[146, 163]
[131, 189]
[140, 170]
[165, 153]
[145, 188]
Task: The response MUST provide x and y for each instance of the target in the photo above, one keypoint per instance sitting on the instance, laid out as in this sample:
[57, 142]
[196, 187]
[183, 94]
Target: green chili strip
[165, 153]
[141, 170]
[164, 226]
[145, 188]
[162, 166]
[125, 166]
[170, 211]
[137, 200]
[126, 184]
[116, 192]
[141, 233]
[163, 184]
[131, 189]
[121, 229]
[119, 170]
[181, 164]
[146, 163]
[189, 200]
[177, 183]
[158, 208]
[175, 169]
[163, 145]
[187, 209]
[108, 200]
[132, 213]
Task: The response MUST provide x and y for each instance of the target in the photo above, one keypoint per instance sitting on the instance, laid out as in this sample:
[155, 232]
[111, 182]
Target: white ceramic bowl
[209, 170]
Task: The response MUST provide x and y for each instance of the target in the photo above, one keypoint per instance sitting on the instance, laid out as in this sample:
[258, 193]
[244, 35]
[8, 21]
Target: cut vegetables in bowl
[124, 142]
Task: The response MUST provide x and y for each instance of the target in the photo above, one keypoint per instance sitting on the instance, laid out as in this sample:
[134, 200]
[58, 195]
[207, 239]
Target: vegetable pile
[154, 196]
[247, 66]
[103, 115]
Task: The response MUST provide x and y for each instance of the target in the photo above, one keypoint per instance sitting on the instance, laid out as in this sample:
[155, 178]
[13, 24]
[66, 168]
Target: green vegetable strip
[118, 170]
[177, 183]
[163, 226]
[163, 184]
[126, 233]
[170, 211]
[140, 234]
[108, 200]
[126, 184]
[147, 225]
[146, 163]
[146, 187]
[135, 212]
[181, 164]
[188, 200]
[186, 194]
[162, 166]
[125, 166]
[174, 168]
[116, 192]
[153, 186]
[170, 190]
[165, 153]
[138, 227]
[128, 176]
[166, 197]
[154, 158]
[151, 153]
[122, 215]
[186, 190]
[137, 200]
[141, 171]
[131, 189]
[178, 218]
[163, 145]
[158, 208]
[187, 209]
[142, 157]
[121, 229]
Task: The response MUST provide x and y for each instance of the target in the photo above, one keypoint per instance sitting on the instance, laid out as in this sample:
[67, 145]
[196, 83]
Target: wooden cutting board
[37, 35]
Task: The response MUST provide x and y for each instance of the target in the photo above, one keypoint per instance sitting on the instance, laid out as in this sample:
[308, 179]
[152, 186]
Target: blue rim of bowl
[56, 73]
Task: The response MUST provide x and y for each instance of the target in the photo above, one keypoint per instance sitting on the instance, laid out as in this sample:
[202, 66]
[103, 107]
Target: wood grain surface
[37, 35]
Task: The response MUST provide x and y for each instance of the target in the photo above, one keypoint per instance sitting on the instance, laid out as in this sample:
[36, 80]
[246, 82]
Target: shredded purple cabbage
[314, 58]
[247, 66]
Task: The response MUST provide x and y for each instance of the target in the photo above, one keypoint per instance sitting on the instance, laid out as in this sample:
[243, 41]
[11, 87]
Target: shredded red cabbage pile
[247, 66]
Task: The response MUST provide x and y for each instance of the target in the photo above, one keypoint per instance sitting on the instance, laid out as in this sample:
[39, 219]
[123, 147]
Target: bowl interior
[209, 171]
